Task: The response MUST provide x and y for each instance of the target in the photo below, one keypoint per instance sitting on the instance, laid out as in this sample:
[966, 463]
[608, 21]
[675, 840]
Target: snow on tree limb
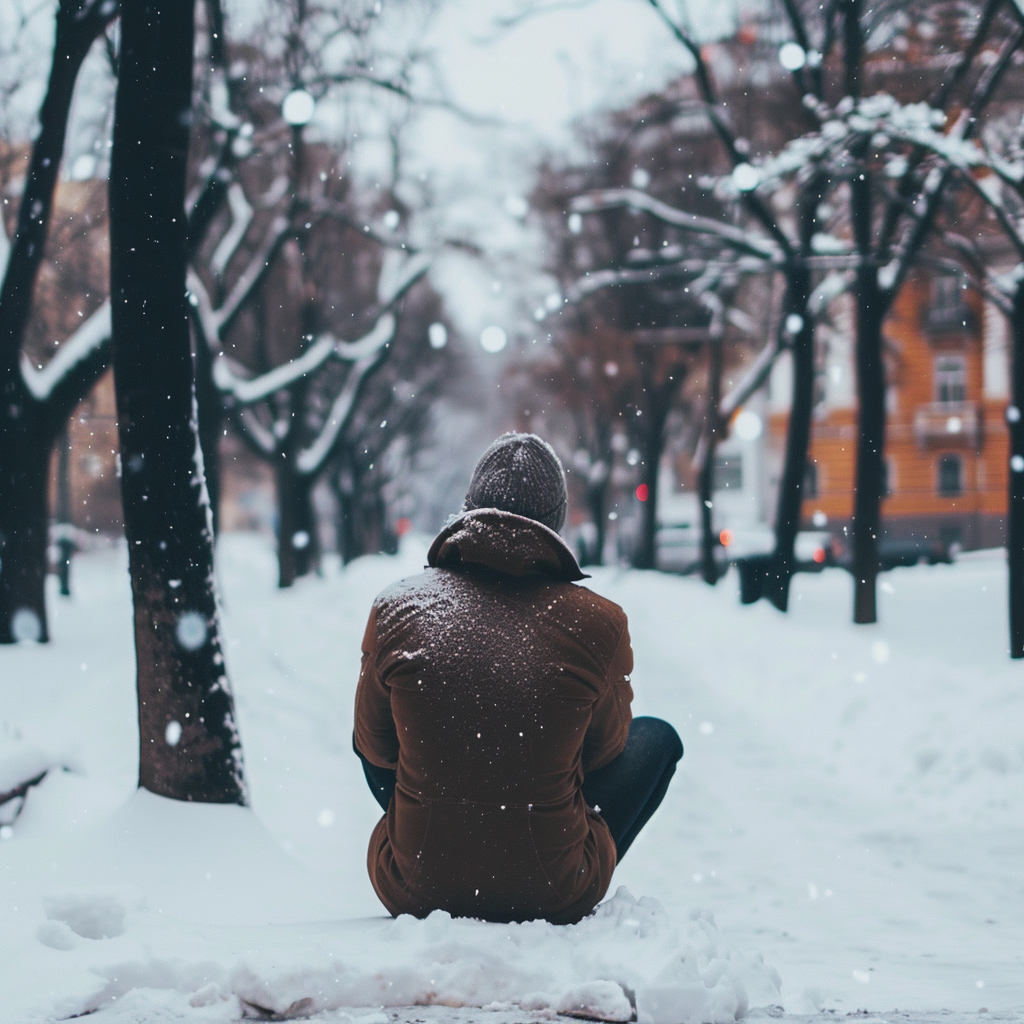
[609, 199]
[258, 389]
[311, 459]
[380, 335]
[751, 382]
[253, 274]
[253, 432]
[5, 250]
[94, 333]
[241, 218]
[398, 274]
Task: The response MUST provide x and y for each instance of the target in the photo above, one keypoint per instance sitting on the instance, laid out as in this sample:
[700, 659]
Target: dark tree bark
[211, 413]
[190, 748]
[24, 537]
[871, 309]
[1015, 507]
[65, 542]
[597, 500]
[779, 571]
[867, 516]
[660, 391]
[708, 538]
[298, 548]
[28, 425]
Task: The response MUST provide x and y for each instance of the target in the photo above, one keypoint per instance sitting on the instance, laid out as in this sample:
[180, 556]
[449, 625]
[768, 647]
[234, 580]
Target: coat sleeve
[376, 737]
[609, 721]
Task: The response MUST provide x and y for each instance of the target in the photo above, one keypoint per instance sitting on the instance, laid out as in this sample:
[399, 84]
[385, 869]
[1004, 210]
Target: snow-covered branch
[241, 218]
[399, 273]
[5, 249]
[394, 284]
[83, 344]
[753, 380]
[312, 459]
[253, 274]
[253, 432]
[249, 392]
[609, 199]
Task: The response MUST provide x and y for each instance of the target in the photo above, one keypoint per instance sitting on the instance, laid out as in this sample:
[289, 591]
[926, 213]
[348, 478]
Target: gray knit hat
[520, 473]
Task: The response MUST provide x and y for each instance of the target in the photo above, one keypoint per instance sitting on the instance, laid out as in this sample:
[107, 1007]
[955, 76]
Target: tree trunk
[1015, 505]
[73, 38]
[597, 494]
[708, 538]
[870, 445]
[210, 408]
[26, 432]
[24, 522]
[65, 541]
[798, 439]
[190, 748]
[347, 543]
[654, 445]
[871, 308]
[298, 548]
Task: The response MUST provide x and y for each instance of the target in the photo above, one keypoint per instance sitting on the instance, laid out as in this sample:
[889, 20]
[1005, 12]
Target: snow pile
[165, 900]
[629, 956]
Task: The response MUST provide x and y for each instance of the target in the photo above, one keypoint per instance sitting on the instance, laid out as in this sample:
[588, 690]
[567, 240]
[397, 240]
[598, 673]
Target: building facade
[947, 445]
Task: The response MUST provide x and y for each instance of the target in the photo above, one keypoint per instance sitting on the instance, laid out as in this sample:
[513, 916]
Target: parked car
[893, 552]
[678, 547]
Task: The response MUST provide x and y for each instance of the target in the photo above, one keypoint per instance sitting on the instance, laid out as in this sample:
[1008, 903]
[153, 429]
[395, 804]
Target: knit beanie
[520, 473]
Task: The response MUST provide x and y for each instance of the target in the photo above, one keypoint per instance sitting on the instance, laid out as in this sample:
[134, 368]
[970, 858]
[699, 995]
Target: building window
[950, 379]
[947, 292]
[948, 310]
[811, 480]
[728, 473]
[951, 476]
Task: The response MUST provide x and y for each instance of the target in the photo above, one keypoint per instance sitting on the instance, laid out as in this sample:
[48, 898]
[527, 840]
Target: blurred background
[421, 169]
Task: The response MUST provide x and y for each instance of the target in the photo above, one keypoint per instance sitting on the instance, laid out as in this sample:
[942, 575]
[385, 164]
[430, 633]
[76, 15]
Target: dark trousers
[625, 792]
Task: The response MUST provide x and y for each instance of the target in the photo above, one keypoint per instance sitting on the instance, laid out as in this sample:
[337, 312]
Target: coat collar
[504, 542]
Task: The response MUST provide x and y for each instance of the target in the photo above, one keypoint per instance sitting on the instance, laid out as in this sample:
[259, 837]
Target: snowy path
[850, 806]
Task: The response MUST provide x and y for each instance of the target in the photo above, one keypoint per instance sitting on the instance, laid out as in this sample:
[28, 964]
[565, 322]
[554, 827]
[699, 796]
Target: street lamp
[298, 108]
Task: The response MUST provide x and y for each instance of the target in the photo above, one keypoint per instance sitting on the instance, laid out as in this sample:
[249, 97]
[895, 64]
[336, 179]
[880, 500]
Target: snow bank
[166, 899]
[630, 955]
[629, 958]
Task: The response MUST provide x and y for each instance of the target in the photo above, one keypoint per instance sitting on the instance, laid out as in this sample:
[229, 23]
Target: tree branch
[610, 199]
[275, 237]
[312, 459]
[76, 366]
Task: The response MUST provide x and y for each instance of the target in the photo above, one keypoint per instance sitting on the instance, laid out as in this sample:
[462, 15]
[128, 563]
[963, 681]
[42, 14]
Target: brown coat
[492, 683]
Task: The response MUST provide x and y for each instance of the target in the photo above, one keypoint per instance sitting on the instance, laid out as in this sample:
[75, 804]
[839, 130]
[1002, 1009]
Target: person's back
[492, 714]
[500, 683]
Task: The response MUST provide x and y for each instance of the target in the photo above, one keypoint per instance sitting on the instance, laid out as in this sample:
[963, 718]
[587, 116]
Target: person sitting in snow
[492, 714]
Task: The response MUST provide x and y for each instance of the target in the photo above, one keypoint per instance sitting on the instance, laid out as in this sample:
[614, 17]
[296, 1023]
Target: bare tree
[189, 744]
[34, 405]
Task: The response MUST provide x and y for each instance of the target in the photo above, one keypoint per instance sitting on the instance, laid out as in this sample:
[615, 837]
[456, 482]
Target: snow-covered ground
[850, 808]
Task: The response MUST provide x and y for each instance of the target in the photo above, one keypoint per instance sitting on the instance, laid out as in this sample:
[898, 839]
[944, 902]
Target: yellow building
[946, 439]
